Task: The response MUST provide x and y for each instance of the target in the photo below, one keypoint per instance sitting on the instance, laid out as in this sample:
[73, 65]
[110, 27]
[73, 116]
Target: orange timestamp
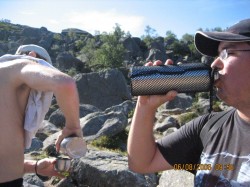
[192, 167]
[220, 167]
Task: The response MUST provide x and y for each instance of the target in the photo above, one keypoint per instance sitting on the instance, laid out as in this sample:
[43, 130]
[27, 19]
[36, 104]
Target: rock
[176, 178]
[49, 145]
[133, 50]
[31, 180]
[182, 101]
[36, 144]
[126, 107]
[66, 61]
[30, 32]
[99, 124]
[165, 124]
[108, 169]
[103, 89]
[157, 50]
[57, 118]
[76, 31]
[203, 106]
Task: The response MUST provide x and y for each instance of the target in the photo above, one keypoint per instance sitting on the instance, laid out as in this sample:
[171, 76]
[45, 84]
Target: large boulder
[157, 50]
[58, 119]
[66, 61]
[102, 89]
[108, 169]
[182, 101]
[99, 124]
[132, 49]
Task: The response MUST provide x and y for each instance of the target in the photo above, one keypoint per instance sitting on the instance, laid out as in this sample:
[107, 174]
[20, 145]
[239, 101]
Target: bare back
[13, 99]
[17, 77]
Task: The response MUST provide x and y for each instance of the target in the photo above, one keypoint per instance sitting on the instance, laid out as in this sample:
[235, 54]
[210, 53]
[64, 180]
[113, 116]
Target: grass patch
[115, 143]
[39, 156]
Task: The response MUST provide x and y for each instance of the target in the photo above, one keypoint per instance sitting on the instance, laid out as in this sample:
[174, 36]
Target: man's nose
[217, 64]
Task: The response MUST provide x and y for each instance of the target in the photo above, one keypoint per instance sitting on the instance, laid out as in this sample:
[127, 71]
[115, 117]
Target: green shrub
[186, 117]
[113, 142]
[72, 72]
[216, 106]
[57, 37]
[131, 113]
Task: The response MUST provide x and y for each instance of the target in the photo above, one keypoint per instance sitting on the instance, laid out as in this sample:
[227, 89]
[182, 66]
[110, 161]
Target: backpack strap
[213, 124]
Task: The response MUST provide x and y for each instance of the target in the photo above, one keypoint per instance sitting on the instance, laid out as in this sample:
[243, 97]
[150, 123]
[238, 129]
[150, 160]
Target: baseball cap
[37, 49]
[207, 42]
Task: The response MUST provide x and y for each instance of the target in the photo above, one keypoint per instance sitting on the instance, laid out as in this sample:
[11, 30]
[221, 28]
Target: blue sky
[178, 16]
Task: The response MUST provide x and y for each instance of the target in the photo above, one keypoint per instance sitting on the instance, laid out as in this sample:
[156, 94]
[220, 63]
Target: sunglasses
[224, 53]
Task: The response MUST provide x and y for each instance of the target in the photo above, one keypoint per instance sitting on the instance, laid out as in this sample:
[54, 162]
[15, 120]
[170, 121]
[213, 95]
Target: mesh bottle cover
[184, 78]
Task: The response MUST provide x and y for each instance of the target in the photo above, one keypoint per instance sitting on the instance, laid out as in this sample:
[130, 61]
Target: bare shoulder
[10, 71]
[14, 65]
[34, 75]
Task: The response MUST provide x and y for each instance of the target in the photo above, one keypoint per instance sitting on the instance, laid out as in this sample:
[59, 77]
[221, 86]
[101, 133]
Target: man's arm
[42, 78]
[44, 167]
[143, 154]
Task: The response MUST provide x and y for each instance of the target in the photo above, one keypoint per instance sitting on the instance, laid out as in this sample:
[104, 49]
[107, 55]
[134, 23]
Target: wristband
[39, 176]
[36, 167]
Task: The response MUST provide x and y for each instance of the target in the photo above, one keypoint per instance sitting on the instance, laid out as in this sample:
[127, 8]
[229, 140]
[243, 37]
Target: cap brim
[207, 42]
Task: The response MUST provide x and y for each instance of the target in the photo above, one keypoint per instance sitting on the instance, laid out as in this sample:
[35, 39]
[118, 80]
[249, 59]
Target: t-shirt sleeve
[183, 146]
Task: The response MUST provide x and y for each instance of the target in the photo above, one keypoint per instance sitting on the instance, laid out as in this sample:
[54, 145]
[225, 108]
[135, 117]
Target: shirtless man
[17, 78]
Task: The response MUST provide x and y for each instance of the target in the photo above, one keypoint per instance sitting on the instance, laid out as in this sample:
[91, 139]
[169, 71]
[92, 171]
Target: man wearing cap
[224, 159]
[28, 81]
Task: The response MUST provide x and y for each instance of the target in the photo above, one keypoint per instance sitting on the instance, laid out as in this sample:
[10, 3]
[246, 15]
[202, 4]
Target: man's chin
[220, 94]
[223, 98]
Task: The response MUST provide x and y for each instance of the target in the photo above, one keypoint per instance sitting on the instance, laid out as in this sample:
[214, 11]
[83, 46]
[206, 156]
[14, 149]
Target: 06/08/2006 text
[192, 167]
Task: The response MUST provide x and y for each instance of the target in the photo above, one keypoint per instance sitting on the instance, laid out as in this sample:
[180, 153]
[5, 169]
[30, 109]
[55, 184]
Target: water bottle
[74, 147]
[183, 78]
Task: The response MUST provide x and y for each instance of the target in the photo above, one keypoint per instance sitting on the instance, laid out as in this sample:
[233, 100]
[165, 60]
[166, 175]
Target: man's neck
[245, 116]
